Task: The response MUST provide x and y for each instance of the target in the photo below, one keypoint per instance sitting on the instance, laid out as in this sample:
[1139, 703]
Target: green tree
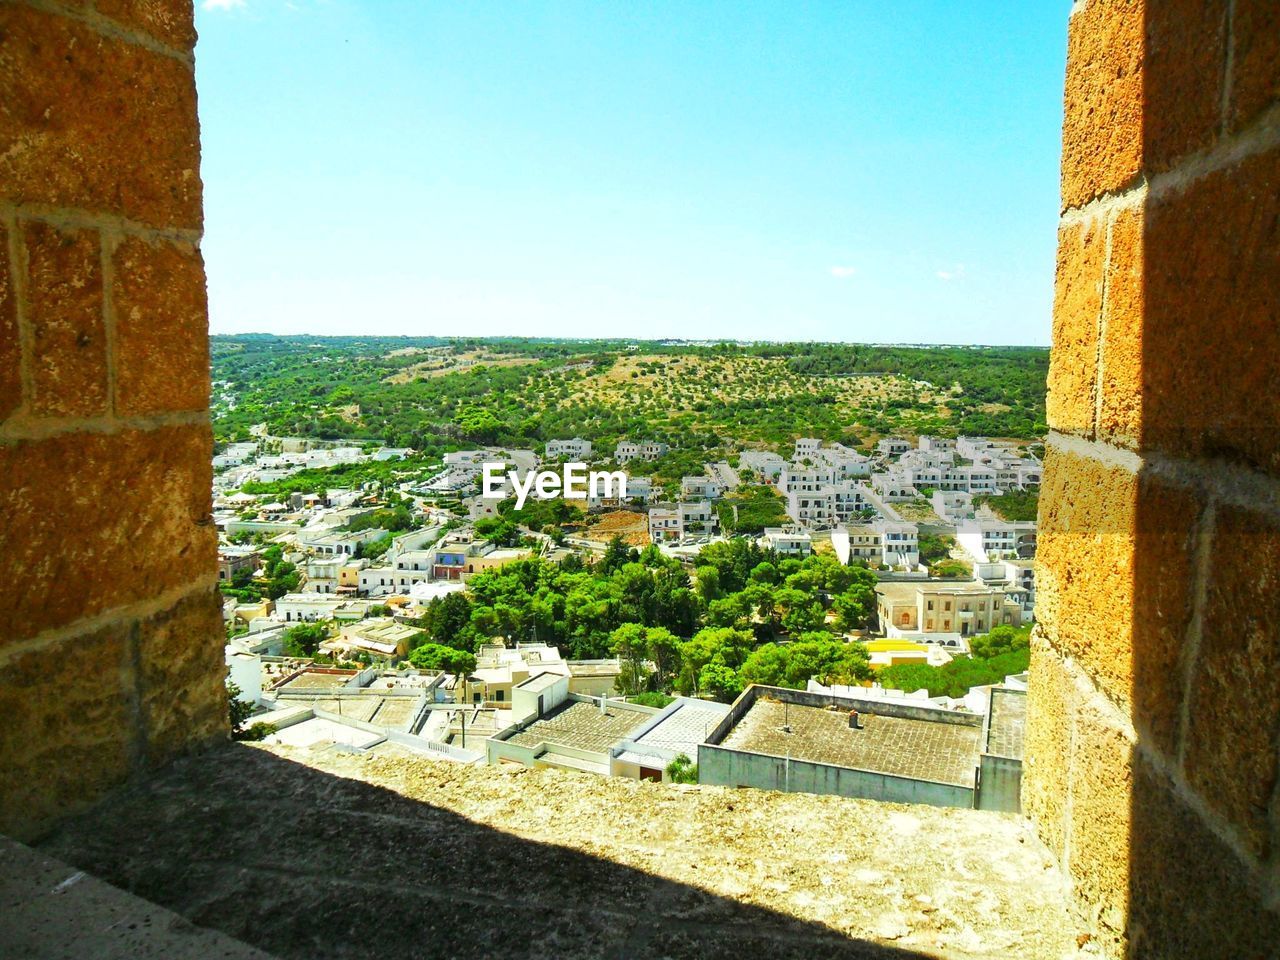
[720, 681]
[766, 665]
[239, 712]
[630, 644]
[682, 770]
[435, 656]
[305, 639]
[855, 607]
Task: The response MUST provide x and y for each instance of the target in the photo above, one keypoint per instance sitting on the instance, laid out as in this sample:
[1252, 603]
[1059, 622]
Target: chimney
[603, 710]
[854, 722]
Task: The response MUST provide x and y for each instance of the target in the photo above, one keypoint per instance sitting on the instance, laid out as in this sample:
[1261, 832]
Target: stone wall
[1154, 727]
[111, 654]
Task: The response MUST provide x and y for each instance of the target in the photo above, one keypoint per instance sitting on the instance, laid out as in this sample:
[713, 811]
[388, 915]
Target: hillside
[434, 394]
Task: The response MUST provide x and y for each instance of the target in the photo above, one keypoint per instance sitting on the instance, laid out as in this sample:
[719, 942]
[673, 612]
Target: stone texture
[1113, 576]
[64, 309]
[10, 348]
[1232, 740]
[1255, 60]
[1073, 362]
[162, 342]
[69, 725]
[1190, 896]
[1211, 355]
[89, 918]
[99, 521]
[170, 21]
[620, 868]
[95, 123]
[1166, 521]
[1084, 564]
[1101, 809]
[1102, 131]
[1182, 78]
[1121, 377]
[1046, 776]
[184, 696]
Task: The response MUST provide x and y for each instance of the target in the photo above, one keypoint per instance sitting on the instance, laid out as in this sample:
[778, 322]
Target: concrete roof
[686, 726]
[1008, 721]
[920, 749]
[580, 724]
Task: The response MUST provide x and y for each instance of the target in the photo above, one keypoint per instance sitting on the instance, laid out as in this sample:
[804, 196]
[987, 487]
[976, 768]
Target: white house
[575, 449]
[788, 542]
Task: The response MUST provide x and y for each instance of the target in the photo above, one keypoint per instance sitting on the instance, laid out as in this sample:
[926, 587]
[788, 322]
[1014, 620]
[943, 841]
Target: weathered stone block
[97, 521]
[64, 306]
[1047, 748]
[1084, 568]
[1101, 800]
[1113, 580]
[1255, 60]
[170, 21]
[1102, 127]
[1121, 377]
[162, 343]
[1232, 742]
[1166, 521]
[1211, 343]
[184, 696]
[1189, 895]
[69, 727]
[1077, 306]
[1182, 78]
[96, 123]
[10, 348]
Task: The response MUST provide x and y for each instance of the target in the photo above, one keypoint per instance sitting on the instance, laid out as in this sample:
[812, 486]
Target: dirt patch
[632, 527]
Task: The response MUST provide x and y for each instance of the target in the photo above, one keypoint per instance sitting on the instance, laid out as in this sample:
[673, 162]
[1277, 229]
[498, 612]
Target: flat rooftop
[314, 680]
[539, 681]
[919, 749]
[1007, 724]
[685, 727]
[581, 725]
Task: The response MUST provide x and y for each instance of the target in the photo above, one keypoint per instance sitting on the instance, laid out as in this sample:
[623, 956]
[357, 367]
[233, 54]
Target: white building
[892, 446]
[678, 521]
[324, 573]
[989, 538]
[307, 607]
[627, 451]
[575, 449]
[700, 488]
[788, 542]
[899, 542]
[763, 462]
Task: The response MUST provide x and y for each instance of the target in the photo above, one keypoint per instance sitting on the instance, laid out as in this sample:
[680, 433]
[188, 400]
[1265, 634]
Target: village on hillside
[386, 617]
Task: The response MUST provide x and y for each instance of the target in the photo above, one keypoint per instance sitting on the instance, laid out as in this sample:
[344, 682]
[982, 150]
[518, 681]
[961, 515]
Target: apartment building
[789, 542]
[626, 451]
[696, 518]
[990, 538]
[768, 465]
[700, 488]
[575, 449]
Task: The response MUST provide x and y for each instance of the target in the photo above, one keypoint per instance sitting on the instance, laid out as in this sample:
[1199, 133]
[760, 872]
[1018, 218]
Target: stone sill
[316, 854]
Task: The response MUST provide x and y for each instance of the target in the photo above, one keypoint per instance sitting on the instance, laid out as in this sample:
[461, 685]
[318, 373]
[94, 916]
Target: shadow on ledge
[303, 863]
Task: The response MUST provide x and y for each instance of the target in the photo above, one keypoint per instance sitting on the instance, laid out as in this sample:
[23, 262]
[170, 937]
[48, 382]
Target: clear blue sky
[868, 171]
